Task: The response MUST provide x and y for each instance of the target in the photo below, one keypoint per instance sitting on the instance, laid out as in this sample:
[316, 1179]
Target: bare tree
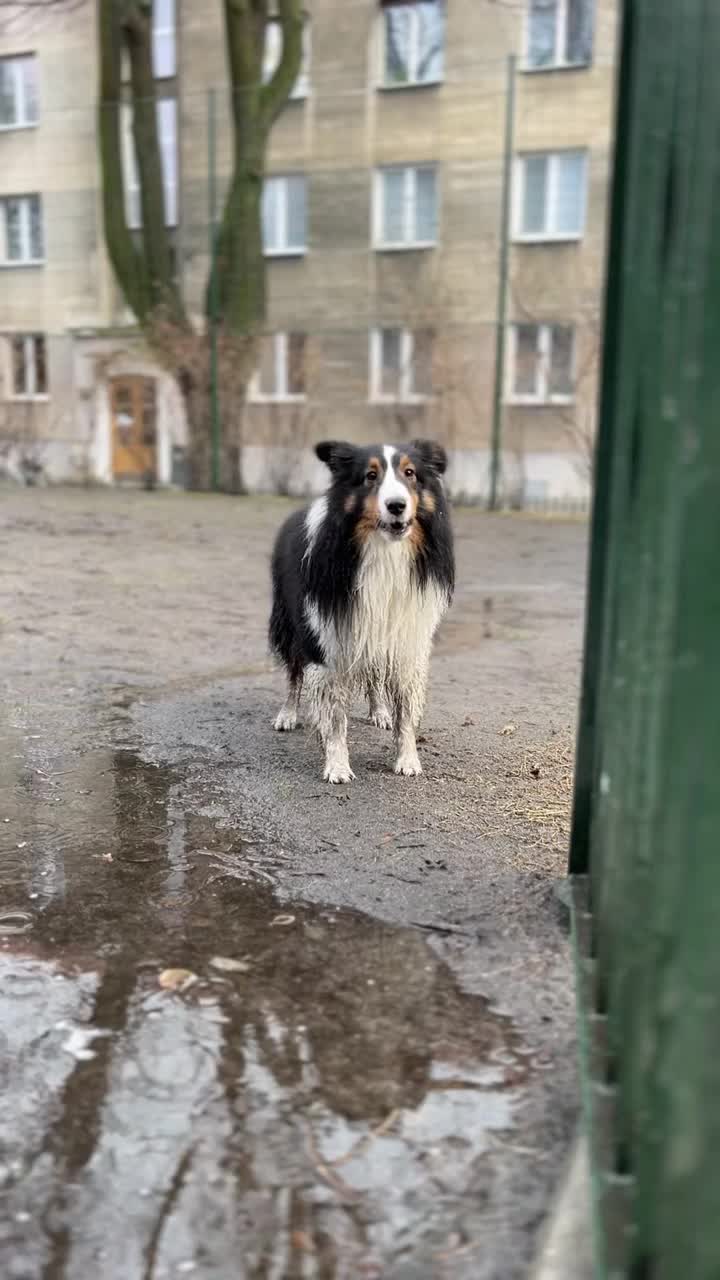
[236, 291]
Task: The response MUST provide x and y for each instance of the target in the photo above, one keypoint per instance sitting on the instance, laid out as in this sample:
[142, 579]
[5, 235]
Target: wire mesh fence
[385, 212]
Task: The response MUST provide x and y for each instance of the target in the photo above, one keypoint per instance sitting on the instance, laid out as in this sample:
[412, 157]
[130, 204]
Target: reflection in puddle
[314, 1101]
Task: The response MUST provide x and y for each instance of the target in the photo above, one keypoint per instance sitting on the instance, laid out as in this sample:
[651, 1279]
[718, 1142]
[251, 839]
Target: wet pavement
[251, 1026]
[192, 1068]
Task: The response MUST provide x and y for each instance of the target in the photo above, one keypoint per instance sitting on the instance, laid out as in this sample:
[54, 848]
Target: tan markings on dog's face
[374, 471]
[369, 519]
[349, 503]
[427, 501]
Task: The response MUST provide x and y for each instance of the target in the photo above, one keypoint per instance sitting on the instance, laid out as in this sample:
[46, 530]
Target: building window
[164, 45]
[405, 208]
[284, 215]
[401, 365]
[272, 54]
[281, 374]
[21, 230]
[28, 366]
[167, 140]
[413, 43]
[550, 195]
[541, 364]
[18, 92]
[559, 33]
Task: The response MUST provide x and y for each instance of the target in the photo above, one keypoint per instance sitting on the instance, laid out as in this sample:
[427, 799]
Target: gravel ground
[408, 932]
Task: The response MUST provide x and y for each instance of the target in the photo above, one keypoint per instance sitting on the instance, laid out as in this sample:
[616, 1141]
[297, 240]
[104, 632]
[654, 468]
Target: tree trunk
[195, 383]
[197, 402]
[240, 258]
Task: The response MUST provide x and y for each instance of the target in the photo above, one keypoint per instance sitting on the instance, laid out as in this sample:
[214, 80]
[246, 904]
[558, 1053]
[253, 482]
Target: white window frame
[413, 55]
[559, 62]
[543, 358]
[410, 173]
[29, 340]
[283, 249]
[27, 259]
[271, 58]
[406, 393]
[281, 395]
[547, 235]
[23, 121]
[167, 124]
[168, 34]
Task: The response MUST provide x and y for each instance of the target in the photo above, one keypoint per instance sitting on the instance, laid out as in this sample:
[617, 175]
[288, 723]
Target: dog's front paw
[338, 773]
[381, 717]
[285, 721]
[408, 764]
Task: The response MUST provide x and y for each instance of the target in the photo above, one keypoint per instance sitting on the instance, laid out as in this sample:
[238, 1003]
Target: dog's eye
[371, 477]
[409, 472]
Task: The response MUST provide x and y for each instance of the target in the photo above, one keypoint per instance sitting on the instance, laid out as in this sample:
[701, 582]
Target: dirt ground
[255, 1025]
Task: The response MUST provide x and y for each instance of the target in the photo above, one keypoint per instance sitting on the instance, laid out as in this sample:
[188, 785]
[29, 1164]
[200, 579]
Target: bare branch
[126, 261]
[276, 93]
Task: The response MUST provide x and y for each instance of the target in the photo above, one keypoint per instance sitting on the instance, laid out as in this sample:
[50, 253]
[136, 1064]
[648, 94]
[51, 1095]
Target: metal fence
[646, 830]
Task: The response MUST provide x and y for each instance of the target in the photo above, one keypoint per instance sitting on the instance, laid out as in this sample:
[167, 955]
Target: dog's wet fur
[361, 579]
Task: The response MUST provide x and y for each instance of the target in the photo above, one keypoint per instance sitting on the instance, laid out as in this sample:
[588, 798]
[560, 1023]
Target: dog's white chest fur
[392, 621]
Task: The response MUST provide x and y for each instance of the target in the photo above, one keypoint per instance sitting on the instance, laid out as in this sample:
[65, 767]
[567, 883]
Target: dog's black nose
[396, 507]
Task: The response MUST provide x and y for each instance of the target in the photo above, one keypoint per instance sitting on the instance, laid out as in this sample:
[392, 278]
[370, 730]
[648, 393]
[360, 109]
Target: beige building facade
[382, 224]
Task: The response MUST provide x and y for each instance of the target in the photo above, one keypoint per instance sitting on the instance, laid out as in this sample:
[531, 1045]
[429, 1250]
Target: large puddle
[199, 1079]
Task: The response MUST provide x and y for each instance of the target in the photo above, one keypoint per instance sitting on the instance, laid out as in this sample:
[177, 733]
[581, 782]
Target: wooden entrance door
[133, 410]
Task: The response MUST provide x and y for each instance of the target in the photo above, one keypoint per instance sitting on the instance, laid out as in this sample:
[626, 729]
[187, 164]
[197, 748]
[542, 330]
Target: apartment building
[382, 230]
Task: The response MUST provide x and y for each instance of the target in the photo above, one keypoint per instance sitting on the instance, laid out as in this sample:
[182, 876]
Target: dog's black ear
[432, 454]
[336, 454]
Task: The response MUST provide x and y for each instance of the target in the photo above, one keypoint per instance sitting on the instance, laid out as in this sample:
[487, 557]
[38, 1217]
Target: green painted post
[496, 438]
[647, 800]
[212, 291]
[607, 446]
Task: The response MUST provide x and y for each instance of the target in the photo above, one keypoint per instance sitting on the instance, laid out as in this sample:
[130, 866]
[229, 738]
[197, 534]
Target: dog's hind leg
[287, 717]
[378, 709]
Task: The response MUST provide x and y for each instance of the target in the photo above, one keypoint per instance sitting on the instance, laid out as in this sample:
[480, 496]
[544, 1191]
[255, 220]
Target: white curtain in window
[393, 206]
[569, 195]
[423, 342]
[526, 360]
[13, 230]
[560, 376]
[397, 45]
[430, 20]
[167, 131]
[390, 361]
[425, 205]
[164, 46]
[535, 171]
[542, 32]
[296, 212]
[579, 36]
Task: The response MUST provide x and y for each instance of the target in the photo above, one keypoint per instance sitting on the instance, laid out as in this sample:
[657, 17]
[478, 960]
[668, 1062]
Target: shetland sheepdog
[361, 579]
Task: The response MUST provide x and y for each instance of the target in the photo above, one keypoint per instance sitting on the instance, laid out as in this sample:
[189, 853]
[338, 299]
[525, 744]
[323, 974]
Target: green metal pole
[212, 291]
[496, 438]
